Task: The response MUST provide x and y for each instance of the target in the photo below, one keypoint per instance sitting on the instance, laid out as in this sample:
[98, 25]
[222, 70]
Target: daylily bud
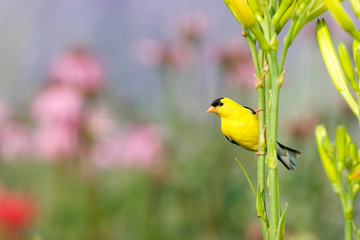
[355, 46]
[355, 188]
[353, 154]
[326, 152]
[242, 10]
[355, 175]
[357, 62]
[347, 66]
[257, 9]
[341, 17]
[355, 4]
[333, 66]
[340, 146]
[243, 13]
[281, 10]
[286, 16]
[316, 11]
[301, 7]
[227, 2]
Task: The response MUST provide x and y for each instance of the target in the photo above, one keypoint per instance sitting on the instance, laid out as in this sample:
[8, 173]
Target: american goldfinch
[240, 126]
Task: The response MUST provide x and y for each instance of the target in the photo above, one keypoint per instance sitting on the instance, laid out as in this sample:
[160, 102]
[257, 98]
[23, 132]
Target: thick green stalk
[346, 200]
[261, 212]
[271, 113]
[348, 229]
[271, 135]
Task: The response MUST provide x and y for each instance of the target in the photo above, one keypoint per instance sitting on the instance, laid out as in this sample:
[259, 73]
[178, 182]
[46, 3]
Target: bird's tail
[287, 155]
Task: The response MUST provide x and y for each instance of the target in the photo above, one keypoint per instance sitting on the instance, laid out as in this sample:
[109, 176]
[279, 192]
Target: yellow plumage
[240, 126]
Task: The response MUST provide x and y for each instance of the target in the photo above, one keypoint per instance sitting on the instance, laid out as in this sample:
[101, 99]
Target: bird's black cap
[217, 102]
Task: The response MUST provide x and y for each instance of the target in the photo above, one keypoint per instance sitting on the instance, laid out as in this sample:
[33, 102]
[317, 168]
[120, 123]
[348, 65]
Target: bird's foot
[259, 154]
[257, 112]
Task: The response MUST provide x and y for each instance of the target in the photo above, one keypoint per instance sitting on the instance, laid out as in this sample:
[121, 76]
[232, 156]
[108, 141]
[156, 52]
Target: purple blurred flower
[139, 146]
[78, 67]
[57, 104]
[236, 63]
[193, 27]
[155, 53]
[56, 142]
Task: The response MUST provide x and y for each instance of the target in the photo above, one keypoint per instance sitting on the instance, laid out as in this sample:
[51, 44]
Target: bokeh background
[104, 135]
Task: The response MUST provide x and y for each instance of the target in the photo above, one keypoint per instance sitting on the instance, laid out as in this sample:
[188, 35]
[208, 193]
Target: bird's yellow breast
[242, 129]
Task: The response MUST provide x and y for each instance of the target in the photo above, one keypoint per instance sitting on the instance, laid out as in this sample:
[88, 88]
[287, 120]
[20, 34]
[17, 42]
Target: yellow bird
[240, 126]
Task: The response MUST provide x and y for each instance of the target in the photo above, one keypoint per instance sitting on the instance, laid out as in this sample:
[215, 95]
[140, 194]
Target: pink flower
[139, 146]
[56, 142]
[108, 152]
[99, 122]
[14, 141]
[5, 113]
[16, 214]
[58, 104]
[236, 64]
[78, 67]
[142, 146]
[193, 27]
[303, 126]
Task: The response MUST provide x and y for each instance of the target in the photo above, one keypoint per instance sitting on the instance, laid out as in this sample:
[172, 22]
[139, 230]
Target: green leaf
[260, 209]
[281, 228]
[247, 177]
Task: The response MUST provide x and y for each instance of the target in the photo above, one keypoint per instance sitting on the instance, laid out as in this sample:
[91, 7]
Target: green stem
[271, 113]
[271, 135]
[346, 200]
[348, 229]
[287, 42]
[261, 150]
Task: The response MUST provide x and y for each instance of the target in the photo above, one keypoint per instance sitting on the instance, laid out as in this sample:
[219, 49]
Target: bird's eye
[221, 103]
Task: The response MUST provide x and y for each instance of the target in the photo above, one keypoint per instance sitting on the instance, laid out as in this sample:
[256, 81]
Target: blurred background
[104, 135]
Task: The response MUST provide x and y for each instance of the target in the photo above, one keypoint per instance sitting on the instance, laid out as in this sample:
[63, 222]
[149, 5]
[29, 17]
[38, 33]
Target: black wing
[232, 141]
[251, 110]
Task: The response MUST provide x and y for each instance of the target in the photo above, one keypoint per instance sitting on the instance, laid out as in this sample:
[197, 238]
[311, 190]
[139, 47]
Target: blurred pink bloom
[236, 63]
[5, 113]
[78, 67]
[303, 126]
[14, 141]
[140, 147]
[58, 104]
[107, 152]
[56, 142]
[155, 53]
[193, 27]
[100, 123]
[16, 214]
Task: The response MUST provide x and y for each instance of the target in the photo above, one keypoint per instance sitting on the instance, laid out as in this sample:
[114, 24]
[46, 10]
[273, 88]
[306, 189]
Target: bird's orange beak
[211, 109]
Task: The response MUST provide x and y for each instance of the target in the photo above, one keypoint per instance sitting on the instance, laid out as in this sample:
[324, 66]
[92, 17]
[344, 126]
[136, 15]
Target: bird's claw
[257, 112]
